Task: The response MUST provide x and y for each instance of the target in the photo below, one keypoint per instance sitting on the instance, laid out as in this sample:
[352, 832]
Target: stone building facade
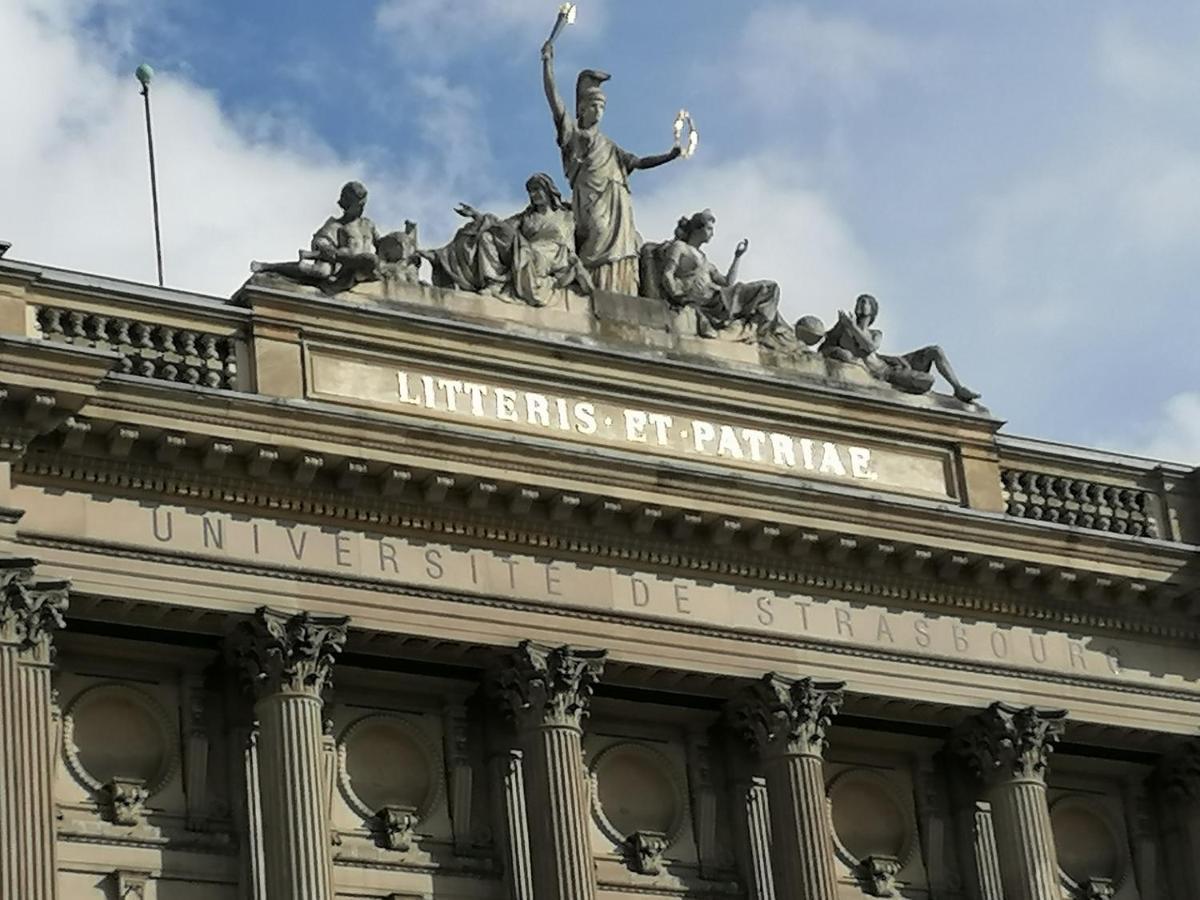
[305, 598]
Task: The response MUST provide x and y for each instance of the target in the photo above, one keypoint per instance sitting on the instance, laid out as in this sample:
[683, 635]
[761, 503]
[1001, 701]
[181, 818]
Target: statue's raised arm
[558, 108]
[598, 169]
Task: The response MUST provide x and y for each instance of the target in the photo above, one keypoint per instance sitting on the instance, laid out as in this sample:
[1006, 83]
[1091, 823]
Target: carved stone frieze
[1008, 742]
[644, 850]
[878, 875]
[30, 610]
[126, 800]
[288, 652]
[543, 685]
[782, 715]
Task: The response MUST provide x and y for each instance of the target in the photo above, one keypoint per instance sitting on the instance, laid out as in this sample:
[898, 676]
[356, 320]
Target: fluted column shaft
[801, 844]
[288, 661]
[1009, 749]
[295, 821]
[785, 722]
[556, 789]
[29, 614]
[546, 691]
[1024, 841]
[508, 780]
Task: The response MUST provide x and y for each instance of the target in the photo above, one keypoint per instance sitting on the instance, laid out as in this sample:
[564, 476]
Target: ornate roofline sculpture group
[590, 243]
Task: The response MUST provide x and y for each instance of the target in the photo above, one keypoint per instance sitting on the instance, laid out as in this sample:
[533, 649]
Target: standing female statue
[605, 237]
[526, 256]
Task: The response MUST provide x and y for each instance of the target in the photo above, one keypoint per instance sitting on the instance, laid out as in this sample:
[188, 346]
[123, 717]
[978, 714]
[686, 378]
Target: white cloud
[787, 52]
[73, 161]
[797, 236]
[1174, 432]
[438, 30]
[1149, 68]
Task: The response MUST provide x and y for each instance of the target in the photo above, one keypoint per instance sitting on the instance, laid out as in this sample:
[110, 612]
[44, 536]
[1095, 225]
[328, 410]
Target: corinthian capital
[1005, 742]
[543, 685]
[30, 611]
[782, 715]
[285, 652]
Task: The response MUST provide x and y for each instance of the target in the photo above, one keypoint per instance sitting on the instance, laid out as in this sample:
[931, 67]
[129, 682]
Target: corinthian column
[30, 613]
[546, 690]
[287, 659]
[784, 722]
[1008, 748]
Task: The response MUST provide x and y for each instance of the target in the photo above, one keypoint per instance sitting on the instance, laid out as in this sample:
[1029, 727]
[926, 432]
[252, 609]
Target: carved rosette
[1177, 777]
[543, 685]
[30, 611]
[278, 652]
[782, 715]
[1009, 742]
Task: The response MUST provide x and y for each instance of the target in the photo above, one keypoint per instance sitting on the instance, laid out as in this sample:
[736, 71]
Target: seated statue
[853, 339]
[342, 252]
[523, 258]
[679, 272]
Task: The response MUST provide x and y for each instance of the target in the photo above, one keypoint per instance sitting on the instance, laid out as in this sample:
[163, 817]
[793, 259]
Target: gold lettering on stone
[458, 396]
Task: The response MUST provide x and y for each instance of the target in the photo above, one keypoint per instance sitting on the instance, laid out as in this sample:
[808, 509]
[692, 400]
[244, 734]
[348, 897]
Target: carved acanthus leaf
[778, 714]
[543, 685]
[30, 611]
[277, 651]
[1006, 742]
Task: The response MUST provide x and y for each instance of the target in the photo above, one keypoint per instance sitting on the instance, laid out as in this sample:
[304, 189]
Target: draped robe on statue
[605, 237]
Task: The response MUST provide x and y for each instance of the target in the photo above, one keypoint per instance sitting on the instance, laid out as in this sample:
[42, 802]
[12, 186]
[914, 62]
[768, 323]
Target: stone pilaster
[508, 782]
[784, 721]
[1008, 748]
[1176, 789]
[546, 690]
[287, 659]
[30, 613]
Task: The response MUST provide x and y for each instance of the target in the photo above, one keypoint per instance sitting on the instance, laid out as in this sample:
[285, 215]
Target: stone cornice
[682, 538]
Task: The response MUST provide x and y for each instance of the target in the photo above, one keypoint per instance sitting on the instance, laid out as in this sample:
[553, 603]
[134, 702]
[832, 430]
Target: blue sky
[1019, 182]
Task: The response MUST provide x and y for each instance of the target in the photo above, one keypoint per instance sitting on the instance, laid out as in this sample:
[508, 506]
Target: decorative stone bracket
[878, 875]
[126, 800]
[395, 826]
[1098, 889]
[644, 850]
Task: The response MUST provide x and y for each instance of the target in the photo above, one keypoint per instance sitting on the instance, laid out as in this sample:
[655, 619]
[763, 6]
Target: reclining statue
[852, 339]
[679, 272]
[525, 257]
